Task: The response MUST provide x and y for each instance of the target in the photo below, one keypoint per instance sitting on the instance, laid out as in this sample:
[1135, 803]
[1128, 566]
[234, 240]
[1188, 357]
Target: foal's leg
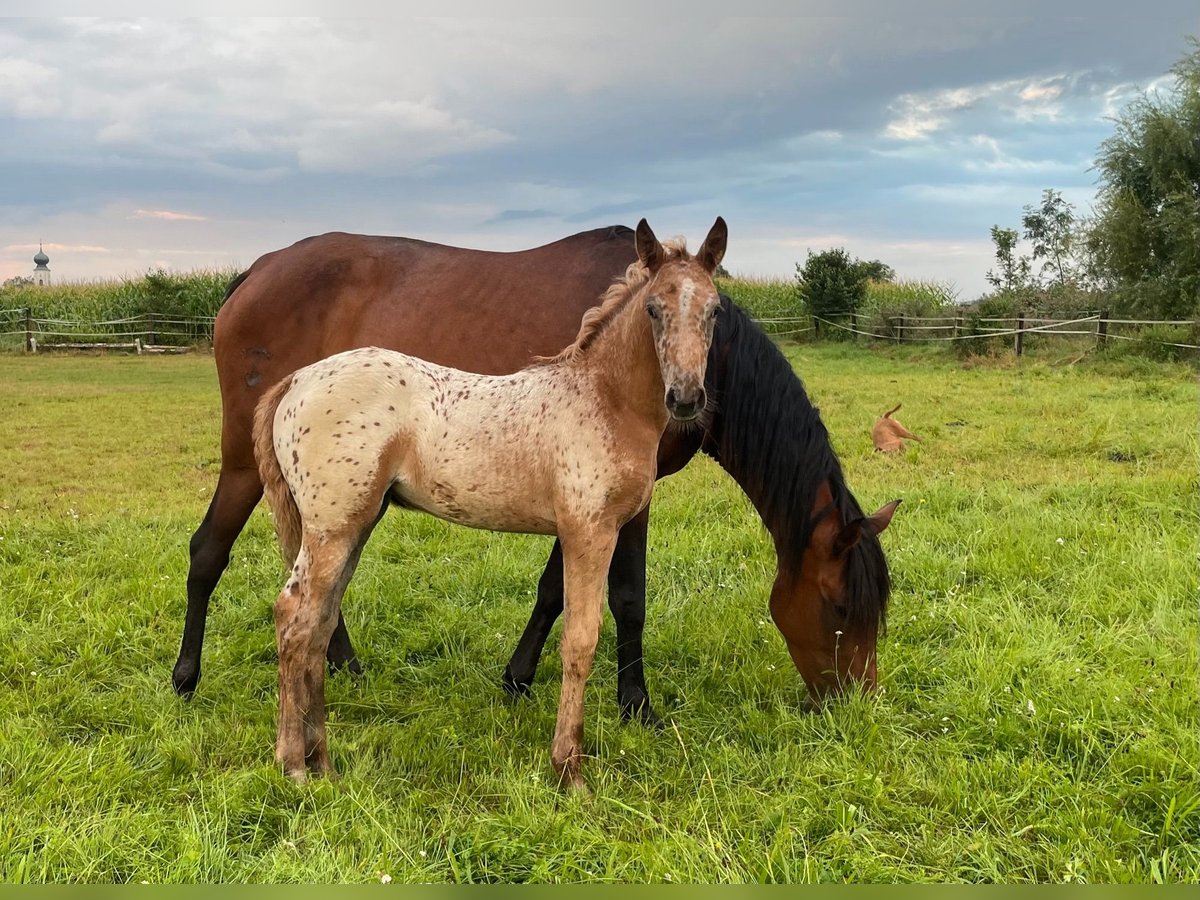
[586, 556]
[626, 599]
[306, 614]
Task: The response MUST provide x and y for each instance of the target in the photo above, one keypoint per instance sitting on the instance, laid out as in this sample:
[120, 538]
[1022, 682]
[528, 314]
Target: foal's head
[682, 303]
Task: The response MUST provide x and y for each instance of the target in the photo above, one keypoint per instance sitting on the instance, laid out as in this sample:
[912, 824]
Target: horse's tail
[284, 510]
[888, 414]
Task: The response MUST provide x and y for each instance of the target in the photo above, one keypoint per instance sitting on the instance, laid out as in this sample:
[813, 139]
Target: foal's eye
[841, 611]
[652, 311]
[716, 311]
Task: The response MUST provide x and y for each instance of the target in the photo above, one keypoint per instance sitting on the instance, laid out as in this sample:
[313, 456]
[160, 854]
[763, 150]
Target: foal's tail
[888, 414]
[275, 487]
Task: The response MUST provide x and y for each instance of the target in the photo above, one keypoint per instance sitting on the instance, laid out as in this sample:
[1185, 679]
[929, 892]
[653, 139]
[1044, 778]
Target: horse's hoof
[353, 666]
[639, 710]
[514, 686]
[184, 682]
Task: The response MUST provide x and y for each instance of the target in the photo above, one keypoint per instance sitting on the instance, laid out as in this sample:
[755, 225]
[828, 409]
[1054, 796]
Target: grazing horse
[567, 446]
[492, 313]
[830, 595]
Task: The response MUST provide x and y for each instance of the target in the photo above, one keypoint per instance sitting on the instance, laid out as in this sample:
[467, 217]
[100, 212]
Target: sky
[128, 145]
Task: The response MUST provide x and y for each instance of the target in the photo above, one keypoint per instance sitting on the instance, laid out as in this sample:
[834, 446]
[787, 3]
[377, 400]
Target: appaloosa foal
[567, 446]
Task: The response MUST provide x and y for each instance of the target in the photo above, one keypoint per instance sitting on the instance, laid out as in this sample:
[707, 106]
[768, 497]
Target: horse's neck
[624, 361]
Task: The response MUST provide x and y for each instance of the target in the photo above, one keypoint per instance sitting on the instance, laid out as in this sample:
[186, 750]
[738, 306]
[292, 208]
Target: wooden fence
[159, 333]
[1098, 326]
[145, 333]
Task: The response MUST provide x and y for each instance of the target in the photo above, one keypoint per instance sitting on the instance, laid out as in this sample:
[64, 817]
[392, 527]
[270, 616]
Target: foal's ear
[649, 250]
[712, 251]
[852, 532]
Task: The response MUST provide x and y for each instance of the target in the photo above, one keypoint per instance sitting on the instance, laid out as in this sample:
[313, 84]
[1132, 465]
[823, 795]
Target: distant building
[41, 271]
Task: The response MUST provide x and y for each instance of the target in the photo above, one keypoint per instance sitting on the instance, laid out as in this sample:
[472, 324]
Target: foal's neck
[623, 360]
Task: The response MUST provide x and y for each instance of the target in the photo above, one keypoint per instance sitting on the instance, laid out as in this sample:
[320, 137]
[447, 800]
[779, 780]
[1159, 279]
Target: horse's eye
[652, 311]
[716, 311]
[841, 611]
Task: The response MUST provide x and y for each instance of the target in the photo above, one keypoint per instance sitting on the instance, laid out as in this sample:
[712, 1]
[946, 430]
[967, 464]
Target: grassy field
[1038, 719]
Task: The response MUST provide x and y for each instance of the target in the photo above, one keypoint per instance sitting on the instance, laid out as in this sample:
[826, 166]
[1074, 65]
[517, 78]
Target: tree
[1144, 241]
[17, 281]
[1013, 271]
[1050, 228]
[875, 270]
[831, 282]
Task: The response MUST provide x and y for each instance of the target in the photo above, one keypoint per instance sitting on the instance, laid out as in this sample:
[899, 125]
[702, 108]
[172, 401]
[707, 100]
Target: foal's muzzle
[685, 404]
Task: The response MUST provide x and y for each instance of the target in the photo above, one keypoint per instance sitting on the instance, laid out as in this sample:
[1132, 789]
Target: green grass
[1038, 719]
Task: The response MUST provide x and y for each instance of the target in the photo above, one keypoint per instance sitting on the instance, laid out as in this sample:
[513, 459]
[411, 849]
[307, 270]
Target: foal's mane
[768, 435]
[612, 301]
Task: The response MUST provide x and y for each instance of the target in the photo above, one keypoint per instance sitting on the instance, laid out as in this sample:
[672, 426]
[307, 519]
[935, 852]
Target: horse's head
[682, 303]
[830, 611]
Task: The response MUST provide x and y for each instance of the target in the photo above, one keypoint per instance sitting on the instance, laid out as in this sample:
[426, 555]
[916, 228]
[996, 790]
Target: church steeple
[41, 272]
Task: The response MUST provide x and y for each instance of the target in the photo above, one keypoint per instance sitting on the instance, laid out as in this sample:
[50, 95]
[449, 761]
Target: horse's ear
[649, 250]
[712, 251]
[852, 532]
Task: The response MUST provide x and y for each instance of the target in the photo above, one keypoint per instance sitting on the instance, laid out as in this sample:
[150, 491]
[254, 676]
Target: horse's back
[476, 310]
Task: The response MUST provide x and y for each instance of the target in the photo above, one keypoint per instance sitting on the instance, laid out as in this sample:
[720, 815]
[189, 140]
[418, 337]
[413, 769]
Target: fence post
[900, 329]
[152, 342]
[1019, 338]
[958, 325]
[28, 330]
[853, 326]
[816, 328]
[1102, 329]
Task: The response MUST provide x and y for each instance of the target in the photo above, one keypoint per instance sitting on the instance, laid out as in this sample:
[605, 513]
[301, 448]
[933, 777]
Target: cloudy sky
[128, 145]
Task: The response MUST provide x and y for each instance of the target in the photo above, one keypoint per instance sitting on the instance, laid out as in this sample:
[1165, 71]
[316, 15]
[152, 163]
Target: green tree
[1144, 241]
[875, 270]
[832, 282]
[1013, 270]
[1050, 229]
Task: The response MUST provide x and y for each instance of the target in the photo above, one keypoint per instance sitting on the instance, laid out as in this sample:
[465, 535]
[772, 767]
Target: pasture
[1038, 719]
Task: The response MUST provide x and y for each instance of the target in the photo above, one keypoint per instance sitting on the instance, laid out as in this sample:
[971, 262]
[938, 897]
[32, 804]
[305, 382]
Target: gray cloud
[902, 133]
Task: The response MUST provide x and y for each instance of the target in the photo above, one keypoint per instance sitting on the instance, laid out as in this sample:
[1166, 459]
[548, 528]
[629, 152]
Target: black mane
[767, 434]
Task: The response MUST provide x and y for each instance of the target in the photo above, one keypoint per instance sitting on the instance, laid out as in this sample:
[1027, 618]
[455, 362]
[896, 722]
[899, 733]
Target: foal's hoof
[514, 686]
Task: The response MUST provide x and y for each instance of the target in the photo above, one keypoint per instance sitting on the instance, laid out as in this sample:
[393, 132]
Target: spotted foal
[567, 447]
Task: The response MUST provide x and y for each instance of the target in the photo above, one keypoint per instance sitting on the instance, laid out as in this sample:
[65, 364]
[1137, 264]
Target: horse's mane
[612, 301]
[768, 435]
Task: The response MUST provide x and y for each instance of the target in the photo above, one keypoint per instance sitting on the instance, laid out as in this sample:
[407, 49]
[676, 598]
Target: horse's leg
[238, 492]
[627, 600]
[518, 674]
[586, 557]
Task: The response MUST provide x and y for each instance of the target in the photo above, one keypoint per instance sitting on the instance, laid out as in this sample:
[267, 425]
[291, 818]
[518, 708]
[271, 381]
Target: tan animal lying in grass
[889, 435]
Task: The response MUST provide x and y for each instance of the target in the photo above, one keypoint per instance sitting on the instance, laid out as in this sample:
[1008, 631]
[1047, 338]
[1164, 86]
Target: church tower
[41, 272]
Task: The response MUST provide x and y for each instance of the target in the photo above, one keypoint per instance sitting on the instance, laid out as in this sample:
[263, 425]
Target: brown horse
[492, 313]
[567, 446]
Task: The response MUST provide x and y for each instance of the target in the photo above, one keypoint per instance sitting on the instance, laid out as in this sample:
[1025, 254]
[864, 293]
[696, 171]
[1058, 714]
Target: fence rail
[1096, 324]
[159, 333]
[147, 332]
